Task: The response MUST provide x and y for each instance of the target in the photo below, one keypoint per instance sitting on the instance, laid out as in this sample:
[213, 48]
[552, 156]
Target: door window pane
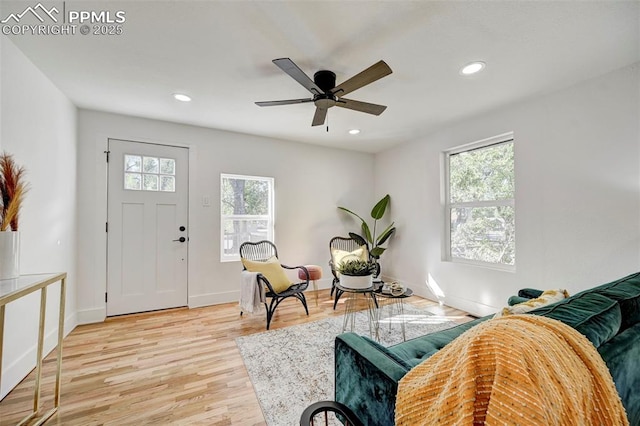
[167, 183]
[132, 163]
[167, 166]
[152, 173]
[150, 165]
[132, 181]
[150, 182]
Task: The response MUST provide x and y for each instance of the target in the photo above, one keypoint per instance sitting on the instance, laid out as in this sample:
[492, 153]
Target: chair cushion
[271, 270]
[338, 256]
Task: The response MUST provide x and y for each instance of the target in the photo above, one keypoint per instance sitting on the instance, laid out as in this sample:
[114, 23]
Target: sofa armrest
[367, 376]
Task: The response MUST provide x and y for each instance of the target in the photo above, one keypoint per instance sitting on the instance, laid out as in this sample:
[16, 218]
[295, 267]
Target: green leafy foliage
[356, 267]
[375, 240]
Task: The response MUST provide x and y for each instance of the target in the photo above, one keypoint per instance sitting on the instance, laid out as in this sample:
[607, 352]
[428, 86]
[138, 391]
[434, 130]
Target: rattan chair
[346, 244]
[318, 414]
[262, 251]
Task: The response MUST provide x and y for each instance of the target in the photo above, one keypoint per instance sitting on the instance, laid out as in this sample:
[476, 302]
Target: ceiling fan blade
[285, 102]
[374, 109]
[288, 66]
[371, 74]
[319, 117]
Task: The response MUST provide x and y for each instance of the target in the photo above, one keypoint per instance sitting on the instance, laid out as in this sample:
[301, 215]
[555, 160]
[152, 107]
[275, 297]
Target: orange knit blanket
[516, 370]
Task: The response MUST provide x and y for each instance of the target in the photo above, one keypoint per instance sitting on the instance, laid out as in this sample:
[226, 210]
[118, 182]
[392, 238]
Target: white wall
[577, 156]
[38, 126]
[310, 181]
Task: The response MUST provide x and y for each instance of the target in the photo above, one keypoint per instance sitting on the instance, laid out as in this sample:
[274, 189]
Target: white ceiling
[220, 54]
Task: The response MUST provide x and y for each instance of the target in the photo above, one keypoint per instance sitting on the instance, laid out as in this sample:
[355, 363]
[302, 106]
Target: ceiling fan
[325, 92]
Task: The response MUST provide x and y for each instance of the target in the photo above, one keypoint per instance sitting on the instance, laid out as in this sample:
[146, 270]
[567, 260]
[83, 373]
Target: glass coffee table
[395, 302]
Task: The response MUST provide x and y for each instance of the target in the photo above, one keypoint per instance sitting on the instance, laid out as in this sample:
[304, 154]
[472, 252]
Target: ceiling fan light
[182, 97]
[472, 68]
[354, 131]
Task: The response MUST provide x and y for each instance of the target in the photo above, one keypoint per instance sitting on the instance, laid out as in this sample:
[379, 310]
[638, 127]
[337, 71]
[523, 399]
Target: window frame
[448, 205]
[270, 217]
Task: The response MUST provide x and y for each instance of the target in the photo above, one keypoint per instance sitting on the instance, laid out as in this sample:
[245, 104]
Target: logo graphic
[48, 21]
[33, 11]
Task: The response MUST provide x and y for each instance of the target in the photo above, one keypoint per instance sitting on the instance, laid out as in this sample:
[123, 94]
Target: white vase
[356, 282]
[9, 255]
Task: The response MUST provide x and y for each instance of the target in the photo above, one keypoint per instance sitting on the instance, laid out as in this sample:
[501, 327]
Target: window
[246, 210]
[149, 173]
[480, 203]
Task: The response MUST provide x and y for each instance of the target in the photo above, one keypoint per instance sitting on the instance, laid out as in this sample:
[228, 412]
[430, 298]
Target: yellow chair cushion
[338, 256]
[272, 271]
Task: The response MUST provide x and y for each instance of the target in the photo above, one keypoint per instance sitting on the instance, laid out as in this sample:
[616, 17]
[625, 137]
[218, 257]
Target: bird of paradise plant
[12, 191]
[369, 235]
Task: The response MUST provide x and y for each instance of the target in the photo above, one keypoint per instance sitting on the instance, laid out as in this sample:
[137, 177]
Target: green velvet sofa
[367, 374]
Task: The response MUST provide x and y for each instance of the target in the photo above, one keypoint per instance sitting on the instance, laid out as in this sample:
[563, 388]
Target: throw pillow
[546, 298]
[338, 256]
[272, 271]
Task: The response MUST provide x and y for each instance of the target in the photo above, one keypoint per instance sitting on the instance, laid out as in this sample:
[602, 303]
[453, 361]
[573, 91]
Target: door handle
[181, 239]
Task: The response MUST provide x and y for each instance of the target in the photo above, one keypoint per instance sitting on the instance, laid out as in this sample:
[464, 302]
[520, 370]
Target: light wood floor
[179, 366]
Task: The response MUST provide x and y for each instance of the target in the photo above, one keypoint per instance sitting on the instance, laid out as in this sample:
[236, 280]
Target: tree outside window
[246, 210]
[481, 203]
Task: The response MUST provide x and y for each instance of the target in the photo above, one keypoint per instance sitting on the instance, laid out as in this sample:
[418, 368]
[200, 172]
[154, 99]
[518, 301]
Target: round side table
[351, 307]
[395, 302]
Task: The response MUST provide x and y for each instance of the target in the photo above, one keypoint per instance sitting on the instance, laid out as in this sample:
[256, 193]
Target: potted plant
[356, 273]
[370, 235]
[12, 191]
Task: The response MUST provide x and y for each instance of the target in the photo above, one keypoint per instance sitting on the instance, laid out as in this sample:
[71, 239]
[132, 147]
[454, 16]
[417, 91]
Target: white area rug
[293, 367]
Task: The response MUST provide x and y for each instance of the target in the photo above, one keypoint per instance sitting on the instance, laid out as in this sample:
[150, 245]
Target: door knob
[181, 239]
[182, 228]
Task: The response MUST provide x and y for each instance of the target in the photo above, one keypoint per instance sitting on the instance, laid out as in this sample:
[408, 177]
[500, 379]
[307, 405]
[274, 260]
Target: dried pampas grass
[12, 191]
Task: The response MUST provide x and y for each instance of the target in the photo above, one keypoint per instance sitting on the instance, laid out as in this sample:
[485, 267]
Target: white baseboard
[322, 284]
[13, 373]
[474, 308]
[201, 300]
[90, 316]
[470, 306]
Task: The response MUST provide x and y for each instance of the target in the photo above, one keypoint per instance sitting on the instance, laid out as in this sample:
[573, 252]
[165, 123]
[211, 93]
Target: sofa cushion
[592, 314]
[414, 351]
[627, 292]
[621, 354]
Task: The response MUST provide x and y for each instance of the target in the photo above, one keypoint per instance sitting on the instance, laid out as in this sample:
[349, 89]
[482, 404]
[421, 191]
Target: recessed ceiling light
[472, 68]
[354, 131]
[182, 97]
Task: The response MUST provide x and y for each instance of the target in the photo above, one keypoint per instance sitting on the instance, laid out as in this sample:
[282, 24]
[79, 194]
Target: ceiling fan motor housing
[325, 80]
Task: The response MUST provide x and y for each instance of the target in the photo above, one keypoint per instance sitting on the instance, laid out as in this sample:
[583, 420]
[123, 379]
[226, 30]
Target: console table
[14, 289]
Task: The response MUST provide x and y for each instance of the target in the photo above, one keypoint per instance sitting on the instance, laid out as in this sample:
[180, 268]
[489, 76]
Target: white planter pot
[9, 255]
[356, 282]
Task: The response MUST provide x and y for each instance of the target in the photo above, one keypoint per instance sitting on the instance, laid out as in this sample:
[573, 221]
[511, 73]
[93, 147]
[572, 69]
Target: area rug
[293, 367]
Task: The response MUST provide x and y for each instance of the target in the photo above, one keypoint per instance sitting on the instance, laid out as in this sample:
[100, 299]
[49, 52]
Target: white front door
[147, 230]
